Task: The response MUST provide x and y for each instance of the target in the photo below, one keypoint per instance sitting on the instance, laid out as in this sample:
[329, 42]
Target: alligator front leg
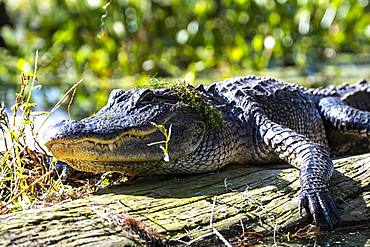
[313, 162]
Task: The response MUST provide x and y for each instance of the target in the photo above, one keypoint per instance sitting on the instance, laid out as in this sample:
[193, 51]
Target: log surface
[263, 199]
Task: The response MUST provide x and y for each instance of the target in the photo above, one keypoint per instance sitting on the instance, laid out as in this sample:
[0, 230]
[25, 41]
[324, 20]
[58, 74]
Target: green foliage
[181, 38]
[167, 136]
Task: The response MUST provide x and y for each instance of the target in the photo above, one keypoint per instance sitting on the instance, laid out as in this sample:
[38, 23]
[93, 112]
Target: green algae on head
[189, 95]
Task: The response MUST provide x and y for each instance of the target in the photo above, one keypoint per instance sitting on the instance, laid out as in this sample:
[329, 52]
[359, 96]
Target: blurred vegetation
[135, 40]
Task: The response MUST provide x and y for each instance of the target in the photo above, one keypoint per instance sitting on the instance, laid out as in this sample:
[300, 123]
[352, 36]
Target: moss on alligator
[189, 95]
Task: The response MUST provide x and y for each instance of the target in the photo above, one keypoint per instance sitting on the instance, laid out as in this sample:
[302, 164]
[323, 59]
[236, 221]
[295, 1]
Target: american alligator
[262, 120]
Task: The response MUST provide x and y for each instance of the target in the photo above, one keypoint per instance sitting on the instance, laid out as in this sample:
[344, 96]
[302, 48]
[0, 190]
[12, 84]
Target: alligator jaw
[65, 149]
[125, 168]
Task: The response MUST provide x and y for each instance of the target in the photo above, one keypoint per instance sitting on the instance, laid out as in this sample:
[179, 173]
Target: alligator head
[117, 137]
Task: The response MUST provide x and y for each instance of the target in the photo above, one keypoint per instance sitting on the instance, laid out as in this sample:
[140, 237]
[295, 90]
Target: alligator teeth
[111, 147]
[88, 144]
[106, 146]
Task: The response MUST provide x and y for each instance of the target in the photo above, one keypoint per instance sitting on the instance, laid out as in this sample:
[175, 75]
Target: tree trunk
[262, 199]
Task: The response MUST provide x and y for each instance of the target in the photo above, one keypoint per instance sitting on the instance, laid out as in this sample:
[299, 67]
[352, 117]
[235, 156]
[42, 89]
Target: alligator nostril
[61, 130]
[50, 134]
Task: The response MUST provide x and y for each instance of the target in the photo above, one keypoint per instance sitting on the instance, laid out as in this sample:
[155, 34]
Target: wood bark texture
[262, 199]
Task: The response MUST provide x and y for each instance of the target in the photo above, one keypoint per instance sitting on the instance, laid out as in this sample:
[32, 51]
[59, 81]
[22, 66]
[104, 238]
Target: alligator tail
[344, 117]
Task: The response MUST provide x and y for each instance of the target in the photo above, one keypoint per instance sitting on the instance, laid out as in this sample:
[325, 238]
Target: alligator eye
[148, 97]
[171, 100]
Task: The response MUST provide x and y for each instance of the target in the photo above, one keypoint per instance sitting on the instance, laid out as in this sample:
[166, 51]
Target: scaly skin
[262, 120]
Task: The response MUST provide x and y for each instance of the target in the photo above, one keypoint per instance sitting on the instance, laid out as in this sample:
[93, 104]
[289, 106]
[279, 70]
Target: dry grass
[27, 175]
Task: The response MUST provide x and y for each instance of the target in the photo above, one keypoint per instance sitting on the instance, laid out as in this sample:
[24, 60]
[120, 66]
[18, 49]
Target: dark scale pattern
[277, 100]
[287, 122]
[344, 117]
[215, 151]
[264, 120]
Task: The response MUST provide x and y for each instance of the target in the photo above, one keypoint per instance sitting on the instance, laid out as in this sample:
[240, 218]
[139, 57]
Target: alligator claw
[331, 203]
[319, 204]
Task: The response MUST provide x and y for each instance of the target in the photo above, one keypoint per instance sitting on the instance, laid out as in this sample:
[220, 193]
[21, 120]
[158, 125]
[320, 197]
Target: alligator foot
[319, 202]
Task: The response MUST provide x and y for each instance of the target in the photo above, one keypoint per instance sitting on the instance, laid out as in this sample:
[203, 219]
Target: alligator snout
[64, 131]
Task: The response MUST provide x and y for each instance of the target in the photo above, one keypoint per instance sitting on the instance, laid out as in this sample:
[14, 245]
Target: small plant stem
[25, 189]
[60, 102]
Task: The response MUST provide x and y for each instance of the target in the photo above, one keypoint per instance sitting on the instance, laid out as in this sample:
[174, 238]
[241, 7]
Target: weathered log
[262, 199]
